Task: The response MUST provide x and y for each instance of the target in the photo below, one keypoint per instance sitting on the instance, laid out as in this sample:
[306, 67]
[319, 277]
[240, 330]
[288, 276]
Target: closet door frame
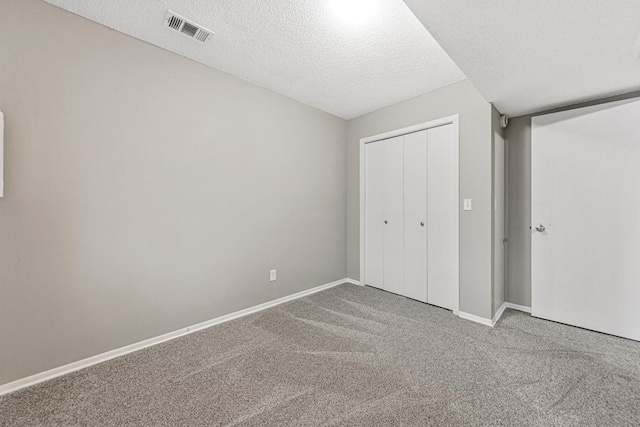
[450, 120]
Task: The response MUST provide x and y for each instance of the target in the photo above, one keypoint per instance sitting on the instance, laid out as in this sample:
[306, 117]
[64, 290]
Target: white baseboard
[353, 281]
[474, 318]
[498, 314]
[94, 360]
[518, 307]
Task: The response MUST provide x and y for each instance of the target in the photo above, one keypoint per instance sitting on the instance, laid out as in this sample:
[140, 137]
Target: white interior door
[393, 263]
[374, 214]
[415, 216]
[586, 194]
[442, 221]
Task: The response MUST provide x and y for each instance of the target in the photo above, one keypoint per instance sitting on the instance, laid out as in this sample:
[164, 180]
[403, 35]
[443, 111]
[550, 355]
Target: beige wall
[475, 181]
[518, 135]
[146, 192]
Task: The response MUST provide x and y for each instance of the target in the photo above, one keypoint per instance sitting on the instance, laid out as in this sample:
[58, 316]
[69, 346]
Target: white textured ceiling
[297, 48]
[528, 56]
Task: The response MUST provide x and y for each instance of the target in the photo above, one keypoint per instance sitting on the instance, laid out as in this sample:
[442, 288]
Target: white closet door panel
[393, 215]
[442, 215]
[415, 216]
[374, 214]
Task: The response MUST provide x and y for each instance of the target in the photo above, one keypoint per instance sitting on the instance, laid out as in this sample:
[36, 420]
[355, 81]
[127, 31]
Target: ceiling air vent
[188, 28]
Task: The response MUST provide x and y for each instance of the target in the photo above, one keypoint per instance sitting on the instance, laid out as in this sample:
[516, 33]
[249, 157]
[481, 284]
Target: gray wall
[518, 135]
[475, 181]
[146, 192]
[498, 191]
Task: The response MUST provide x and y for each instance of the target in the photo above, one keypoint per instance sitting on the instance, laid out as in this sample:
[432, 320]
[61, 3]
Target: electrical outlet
[272, 275]
[467, 204]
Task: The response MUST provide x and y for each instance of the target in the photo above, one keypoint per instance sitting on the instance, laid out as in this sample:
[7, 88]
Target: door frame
[450, 120]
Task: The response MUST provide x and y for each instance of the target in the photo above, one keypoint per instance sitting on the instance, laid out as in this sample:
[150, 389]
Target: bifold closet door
[374, 214]
[411, 215]
[393, 263]
[442, 216]
[415, 216]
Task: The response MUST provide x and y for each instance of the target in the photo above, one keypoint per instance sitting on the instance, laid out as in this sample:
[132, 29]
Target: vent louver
[175, 22]
[187, 28]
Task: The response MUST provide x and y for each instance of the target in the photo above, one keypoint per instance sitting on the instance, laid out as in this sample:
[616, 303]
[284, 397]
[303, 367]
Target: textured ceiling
[298, 48]
[528, 56]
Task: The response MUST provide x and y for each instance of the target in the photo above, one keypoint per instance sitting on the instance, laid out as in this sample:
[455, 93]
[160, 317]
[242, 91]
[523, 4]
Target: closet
[410, 199]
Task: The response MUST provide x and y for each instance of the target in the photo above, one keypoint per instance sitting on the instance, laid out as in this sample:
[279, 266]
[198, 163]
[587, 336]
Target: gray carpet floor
[352, 356]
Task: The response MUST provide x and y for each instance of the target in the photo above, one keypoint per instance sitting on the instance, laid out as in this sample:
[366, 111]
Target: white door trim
[452, 120]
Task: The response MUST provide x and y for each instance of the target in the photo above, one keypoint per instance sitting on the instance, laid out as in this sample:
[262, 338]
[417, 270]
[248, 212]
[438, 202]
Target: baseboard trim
[353, 281]
[518, 307]
[498, 314]
[477, 319]
[94, 360]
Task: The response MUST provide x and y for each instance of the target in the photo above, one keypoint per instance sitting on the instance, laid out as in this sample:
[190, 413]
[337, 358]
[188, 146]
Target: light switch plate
[272, 275]
[467, 204]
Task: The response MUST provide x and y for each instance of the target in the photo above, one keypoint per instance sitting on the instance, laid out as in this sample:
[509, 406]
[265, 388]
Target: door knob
[422, 224]
[540, 228]
[385, 221]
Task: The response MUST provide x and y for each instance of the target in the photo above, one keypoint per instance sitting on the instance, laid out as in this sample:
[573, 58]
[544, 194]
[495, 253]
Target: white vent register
[188, 28]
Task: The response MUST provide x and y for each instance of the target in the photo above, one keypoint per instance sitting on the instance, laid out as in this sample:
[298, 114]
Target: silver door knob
[540, 228]
[422, 224]
[385, 221]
